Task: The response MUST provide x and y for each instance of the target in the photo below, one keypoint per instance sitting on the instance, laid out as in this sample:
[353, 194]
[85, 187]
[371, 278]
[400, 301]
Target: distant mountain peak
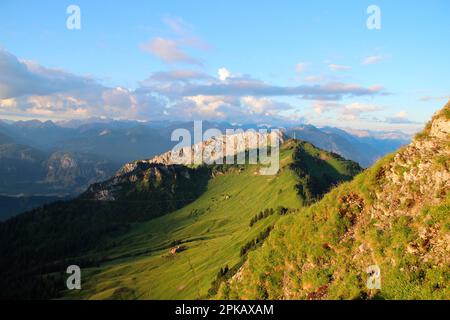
[210, 149]
[34, 123]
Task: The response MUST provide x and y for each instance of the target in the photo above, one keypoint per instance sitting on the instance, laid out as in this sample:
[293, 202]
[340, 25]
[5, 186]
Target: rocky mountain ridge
[174, 164]
[393, 216]
[210, 150]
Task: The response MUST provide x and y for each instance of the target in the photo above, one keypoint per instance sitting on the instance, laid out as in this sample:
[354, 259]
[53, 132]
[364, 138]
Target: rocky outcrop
[394, 217]
[209, 150]
[172, 165]
[74, 172]
[144, 173]
[417, 177]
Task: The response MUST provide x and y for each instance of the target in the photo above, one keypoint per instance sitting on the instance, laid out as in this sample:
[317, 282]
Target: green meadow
[146, 245]
[213, 229]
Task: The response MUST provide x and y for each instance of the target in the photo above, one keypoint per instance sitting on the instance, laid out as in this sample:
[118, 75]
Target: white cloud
[172, 50]
[210, 106]
[177, 75]
[30, 89]
[19, 78]
[402, 114]
[223, 73]
[338, 67]
[315, 78]
[320, 107]
[246, 86]
[372, 60]
[264, 106]
[351, 111]
[301, 67]
[434, 98]
[184, 33]
[176, 24]
[180, 94]
[233, 109]
[8, 103]
[399, 118]
[169, 51]
[355, 110]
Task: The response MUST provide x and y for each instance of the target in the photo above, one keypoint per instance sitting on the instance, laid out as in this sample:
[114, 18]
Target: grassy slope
[322, 251]
[214, 228]
[123, 248]
[309, 253]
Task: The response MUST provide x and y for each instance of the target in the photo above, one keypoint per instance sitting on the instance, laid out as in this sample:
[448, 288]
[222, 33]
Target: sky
[267, 62]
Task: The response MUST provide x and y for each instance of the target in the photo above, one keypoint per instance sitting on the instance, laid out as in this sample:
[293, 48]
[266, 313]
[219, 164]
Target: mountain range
[160, 230]
[61, 159]
[158, 206]
[364, 147]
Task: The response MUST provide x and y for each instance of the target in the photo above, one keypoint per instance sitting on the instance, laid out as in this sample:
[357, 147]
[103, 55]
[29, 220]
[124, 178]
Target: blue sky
[281, 61]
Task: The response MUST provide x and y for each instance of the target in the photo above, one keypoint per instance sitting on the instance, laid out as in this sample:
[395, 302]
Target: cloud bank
[28, 89]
